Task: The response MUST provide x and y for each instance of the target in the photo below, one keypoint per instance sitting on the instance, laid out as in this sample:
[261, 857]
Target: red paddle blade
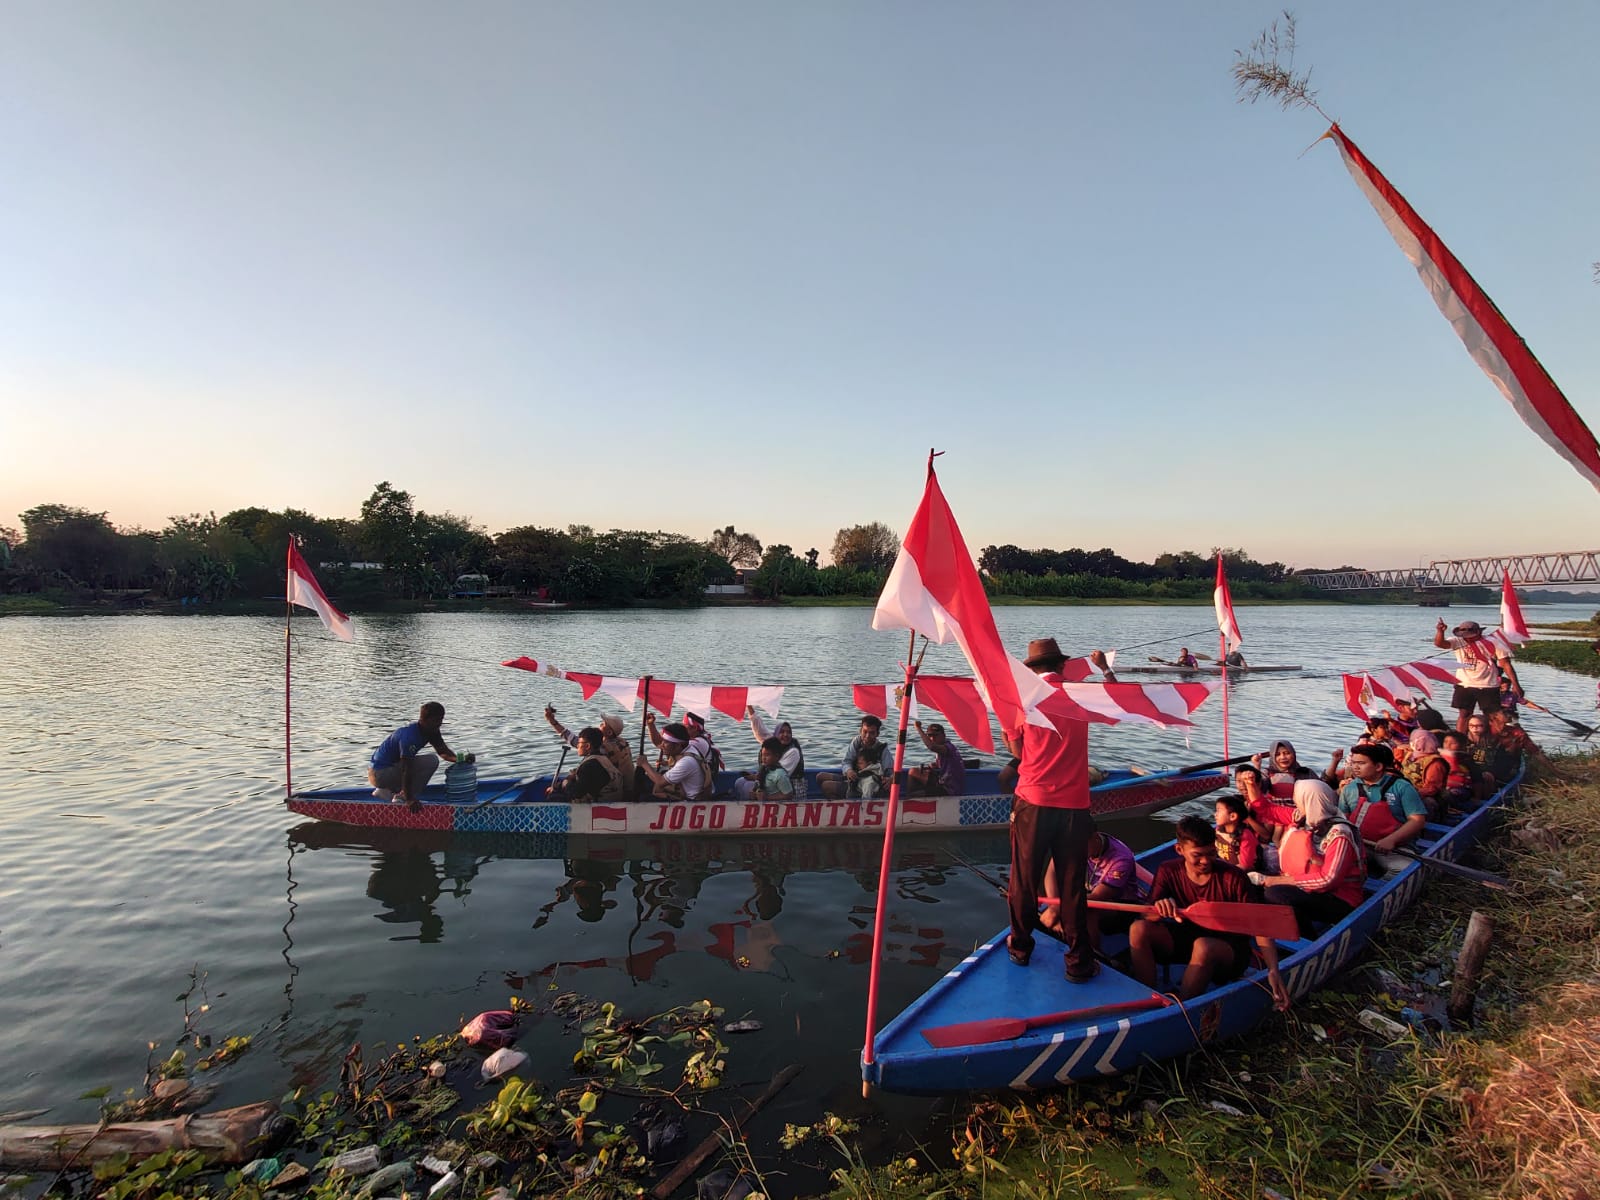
[1003, 1029]
[1252, 920]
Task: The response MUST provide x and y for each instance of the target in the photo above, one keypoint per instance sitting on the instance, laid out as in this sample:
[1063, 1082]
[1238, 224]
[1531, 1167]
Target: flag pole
[890, 819]
[1222, 659]
[288, 613]
[644, 718]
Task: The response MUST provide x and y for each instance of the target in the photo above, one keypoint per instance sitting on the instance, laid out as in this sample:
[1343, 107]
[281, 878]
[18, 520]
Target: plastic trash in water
[491, 1030]
[1378, 1023]
[502, 1062]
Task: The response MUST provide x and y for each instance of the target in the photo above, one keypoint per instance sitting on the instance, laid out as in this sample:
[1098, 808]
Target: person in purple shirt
[946, 775]
[1113, 875]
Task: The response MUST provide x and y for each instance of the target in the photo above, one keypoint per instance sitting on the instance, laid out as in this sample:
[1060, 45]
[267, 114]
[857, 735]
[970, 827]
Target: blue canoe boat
[1114, 1023]
[519, 806]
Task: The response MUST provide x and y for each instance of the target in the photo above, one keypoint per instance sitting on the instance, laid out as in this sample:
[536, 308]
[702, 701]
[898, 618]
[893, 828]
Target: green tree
[740, 549]
[389, 535]
[870, 547]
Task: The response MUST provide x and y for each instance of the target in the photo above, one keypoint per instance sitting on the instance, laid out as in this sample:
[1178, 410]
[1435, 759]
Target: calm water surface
[143, 834]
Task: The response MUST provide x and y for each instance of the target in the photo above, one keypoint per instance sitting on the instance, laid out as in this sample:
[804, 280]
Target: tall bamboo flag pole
[890, 819]
[301, 587]
[288, 773]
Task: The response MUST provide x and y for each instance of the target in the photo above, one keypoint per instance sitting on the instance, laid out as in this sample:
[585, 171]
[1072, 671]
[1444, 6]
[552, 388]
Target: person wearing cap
[1050, 821]
[1478, 676]
[612, 743]
[687, 775]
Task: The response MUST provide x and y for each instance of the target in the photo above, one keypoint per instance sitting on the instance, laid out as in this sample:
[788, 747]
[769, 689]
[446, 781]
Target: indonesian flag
[524, 663]
[919, 812]
[304, 590]
[1358, 696]
[1489, 338]
[1226, 621]
[934, 589]
[1512, 625]
[604, 818]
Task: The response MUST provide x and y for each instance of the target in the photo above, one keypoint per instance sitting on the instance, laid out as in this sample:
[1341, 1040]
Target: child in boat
[1236, 841]
[772, 781]
[1113, 874]
[1209, 957]
[1265, 816]
[869, 775]
[1464, 784]
[1322, 864]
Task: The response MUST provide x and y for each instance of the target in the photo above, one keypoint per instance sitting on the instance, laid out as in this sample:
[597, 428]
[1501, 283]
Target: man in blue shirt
[397, 772]
[1383, 807]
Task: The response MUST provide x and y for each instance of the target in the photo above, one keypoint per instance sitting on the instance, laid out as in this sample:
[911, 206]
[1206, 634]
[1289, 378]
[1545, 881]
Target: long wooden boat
[1113, 1023]
[1205, 669]
[516, 806]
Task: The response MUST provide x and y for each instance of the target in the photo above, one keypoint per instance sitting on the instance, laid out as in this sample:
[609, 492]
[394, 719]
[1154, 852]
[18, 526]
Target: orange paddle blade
[1003, 1029]
[1227, 916]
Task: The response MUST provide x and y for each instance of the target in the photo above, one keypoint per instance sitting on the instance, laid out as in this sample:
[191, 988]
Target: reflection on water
[143, 832]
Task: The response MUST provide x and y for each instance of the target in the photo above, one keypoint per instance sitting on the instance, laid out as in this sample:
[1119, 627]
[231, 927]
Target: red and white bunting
[1363, 688]
[1076, 670]
[1512, 625]
[1494, 345]
[957, 698]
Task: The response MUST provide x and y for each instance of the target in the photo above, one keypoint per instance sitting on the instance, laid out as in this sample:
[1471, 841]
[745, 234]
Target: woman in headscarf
[1426, 769]
[1322, 863]
[792, 760]
[1284, 771]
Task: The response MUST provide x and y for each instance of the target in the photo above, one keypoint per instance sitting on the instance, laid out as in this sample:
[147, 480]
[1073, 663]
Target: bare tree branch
[1266, 71]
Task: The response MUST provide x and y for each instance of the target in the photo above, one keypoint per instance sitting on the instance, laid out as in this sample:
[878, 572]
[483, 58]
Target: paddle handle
[1153, 1000]
[1110, 905]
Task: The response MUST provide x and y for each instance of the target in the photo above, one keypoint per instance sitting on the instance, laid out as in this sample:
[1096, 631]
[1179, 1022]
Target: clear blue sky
[679, 265]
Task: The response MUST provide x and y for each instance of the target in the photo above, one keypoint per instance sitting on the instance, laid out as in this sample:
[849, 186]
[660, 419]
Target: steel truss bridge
[1565, 566]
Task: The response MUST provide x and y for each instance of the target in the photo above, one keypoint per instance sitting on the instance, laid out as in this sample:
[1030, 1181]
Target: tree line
[396, 552]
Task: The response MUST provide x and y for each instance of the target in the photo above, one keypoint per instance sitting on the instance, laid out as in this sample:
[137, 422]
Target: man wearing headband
[687, 776]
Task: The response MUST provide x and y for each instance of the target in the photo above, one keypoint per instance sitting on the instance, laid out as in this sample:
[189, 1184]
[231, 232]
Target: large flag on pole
[934, 589]
[1489, 338]
[305, 591]
[1226, 621]
[1511, 622]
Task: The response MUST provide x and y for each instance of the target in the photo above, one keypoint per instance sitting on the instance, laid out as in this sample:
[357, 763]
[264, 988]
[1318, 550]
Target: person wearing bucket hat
[612, 744]
[1050, 823]
[1478, 676]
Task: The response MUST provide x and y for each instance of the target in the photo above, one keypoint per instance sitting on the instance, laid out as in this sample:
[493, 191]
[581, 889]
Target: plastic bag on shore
[491, 1030]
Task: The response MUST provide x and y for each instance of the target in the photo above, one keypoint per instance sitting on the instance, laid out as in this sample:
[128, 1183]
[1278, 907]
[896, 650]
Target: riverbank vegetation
[1568, 654]
[395, 555]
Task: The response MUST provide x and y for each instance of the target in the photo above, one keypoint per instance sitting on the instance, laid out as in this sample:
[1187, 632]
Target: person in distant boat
[396, 771]
[595, 780]
[1482, 663]
[1384, 807]
[1322, 864]
[1197, 874]
[946, 775]
[612, 743]
[792, 758]
[837, 786]
[686, 775]
[1185, 659]
[1050, 821]
[1236, 661]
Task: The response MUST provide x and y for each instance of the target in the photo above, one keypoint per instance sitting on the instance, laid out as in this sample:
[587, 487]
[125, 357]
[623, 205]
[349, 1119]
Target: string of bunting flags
[957, 698]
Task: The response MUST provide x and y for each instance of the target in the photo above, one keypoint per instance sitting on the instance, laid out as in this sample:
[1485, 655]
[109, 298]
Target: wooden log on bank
[1464, 989]
[232, 1135]
[714, 1141]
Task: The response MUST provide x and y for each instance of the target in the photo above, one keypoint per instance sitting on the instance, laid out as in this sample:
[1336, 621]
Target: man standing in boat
[397, 772]
[1050, 822]
[1478, 676]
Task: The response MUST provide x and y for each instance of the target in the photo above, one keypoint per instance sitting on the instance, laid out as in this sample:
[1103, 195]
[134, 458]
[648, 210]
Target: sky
[675, 266]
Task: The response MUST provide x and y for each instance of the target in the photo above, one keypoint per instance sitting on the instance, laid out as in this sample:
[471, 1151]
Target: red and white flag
[304, 590]
[1489, 338]
[919, 812]
[605, 818]
[1512, 625]
[934, 589]
[1226, 621]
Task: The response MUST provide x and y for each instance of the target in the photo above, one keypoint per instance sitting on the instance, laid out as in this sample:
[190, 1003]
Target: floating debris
[363, 1161]
[747, 1026]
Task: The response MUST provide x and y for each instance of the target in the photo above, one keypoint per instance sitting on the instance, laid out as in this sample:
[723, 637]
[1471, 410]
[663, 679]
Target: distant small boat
[547, 604]
[1209, 668]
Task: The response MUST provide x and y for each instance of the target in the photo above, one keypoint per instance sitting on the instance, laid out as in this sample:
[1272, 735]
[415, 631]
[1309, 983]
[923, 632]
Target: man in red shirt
[1050, 822]
[1197, 874]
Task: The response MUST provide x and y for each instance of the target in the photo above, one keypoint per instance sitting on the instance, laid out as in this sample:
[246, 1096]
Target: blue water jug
[461, 782]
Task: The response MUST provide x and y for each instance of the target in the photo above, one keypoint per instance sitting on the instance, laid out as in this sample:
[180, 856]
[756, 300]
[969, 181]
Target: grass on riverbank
[1058, 602]
[1576, 656]
[1315, 1105]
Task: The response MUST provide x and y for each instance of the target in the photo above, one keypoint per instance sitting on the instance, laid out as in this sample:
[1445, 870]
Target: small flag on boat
[304, 590]
[1226, 621]
[1494, 345]
[1512, 625]
[934, 589]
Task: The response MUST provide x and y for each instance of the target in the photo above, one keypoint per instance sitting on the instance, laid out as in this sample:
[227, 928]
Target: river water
[144, 838]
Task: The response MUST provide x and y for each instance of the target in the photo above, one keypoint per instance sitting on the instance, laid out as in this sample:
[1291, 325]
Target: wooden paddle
[1488, 879]
[1173, 773]
[1225, 916]
[1003, 1029]
[1577, 727]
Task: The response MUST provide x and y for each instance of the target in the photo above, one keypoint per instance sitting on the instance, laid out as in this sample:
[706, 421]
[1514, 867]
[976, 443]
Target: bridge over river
[1562, 566]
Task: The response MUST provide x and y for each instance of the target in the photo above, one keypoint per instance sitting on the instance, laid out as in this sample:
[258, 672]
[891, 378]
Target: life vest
[617, 753]
[1416, 770]
[1299, 857]
[799, 772]
[1296, 857]
[1375, 819]
[613, 789]
[1460, 777]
